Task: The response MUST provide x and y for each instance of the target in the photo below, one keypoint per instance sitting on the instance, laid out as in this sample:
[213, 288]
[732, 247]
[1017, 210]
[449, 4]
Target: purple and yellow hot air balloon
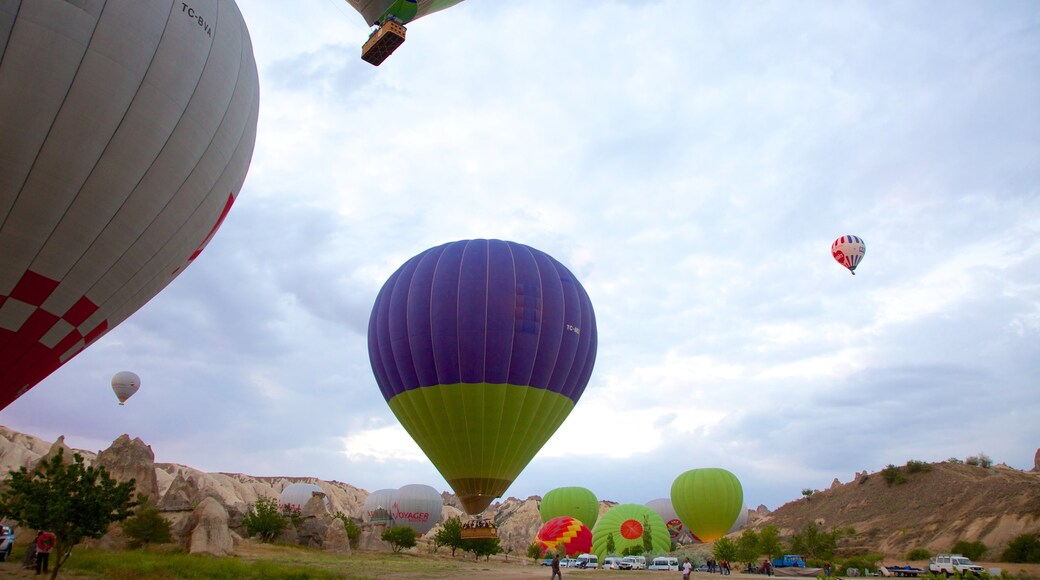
[482, 348]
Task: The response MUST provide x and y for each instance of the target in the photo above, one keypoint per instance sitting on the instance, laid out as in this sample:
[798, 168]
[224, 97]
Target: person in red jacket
[44, 544]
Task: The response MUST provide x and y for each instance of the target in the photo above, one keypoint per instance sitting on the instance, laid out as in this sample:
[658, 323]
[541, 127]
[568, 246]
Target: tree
[147, 526]
[747, 547]
[814, 543]
[648, 540]
[399, 537]
[1023, 549]
[972, 550]
[534, 551]
[892, 475]
[450, 535]
[353, 530]
[807, 492]
[264, 519]
[611, 546]
[724, 550]
[486, 547]
[769, 542]
[72, 501]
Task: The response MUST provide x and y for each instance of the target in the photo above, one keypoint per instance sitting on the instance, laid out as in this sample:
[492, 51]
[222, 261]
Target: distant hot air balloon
[126, 129]
[418, 507]
[378, 506]
[676, 530]
[481, 348]
[626, 523]
[125, 384]
[576, 502]
[848, 251]
[565, 534]
[391, 16]
[708, 501]
[296, 495]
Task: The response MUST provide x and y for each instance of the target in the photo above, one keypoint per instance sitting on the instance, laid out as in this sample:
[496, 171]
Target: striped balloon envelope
[848, 251]
[482, 348]
[126, 130]
[565, 534]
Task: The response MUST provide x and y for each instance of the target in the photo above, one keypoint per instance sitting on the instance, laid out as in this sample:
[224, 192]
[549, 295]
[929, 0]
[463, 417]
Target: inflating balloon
[565, 534]
[626, 523]
[378, 506]
[576, 502]
[125, 384]
[676, 530]
[418, 507]
[848, 251]
[126, 129]
[482, 348]
[296, 495]
[708, 501]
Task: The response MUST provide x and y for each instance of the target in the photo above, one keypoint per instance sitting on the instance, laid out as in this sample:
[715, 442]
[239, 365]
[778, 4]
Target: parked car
[951, 564]
[546, 562]
[6, 542]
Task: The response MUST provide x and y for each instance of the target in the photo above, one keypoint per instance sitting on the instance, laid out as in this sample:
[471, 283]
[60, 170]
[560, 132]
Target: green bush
[1024, 549]
[918, 554]
[892, 475]
[981, 460]
[399, 537]
[972, 550]
[147, 526]
[915, 466]
[353, 530]
[858, 562]
[264, 519]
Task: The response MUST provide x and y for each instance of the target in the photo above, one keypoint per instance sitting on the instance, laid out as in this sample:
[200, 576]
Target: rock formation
[1036, 461]
[316, 521]
[336, 539]
[128, 459]
[835, 483]
[211, 534]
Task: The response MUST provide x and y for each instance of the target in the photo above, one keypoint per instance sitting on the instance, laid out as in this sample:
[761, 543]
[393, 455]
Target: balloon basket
[479, 530]
[383, 42]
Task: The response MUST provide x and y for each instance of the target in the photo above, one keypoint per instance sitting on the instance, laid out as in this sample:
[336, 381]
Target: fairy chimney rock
[211, 534]
[128, 459]
[1036, 461]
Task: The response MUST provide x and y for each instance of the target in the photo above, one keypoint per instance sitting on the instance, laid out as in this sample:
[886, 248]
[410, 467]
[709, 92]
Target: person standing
[687, 569]
[556, 568]
[44, 544]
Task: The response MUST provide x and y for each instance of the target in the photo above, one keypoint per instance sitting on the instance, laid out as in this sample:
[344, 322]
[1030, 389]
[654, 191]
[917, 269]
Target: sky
[690, 163]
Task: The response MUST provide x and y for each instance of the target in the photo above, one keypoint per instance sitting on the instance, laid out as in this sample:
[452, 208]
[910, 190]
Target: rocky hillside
[932, 509]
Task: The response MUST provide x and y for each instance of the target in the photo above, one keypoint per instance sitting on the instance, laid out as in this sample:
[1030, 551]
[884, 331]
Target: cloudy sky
[691, 163]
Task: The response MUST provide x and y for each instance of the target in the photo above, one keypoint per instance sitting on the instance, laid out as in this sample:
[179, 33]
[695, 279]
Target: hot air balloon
[296, 495]
[676, 530]
[391, 16]
[848, 251]
[565, 534]
[626, 523]
[708, 501]
[417, 506]
[742, 520]
[125, 384]
[378, 506]
[126, 133]
[481, 348]
[576, 502]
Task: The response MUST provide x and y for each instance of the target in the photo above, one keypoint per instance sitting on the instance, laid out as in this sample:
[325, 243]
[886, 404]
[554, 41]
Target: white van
[588, 561]
[633, 563]
[612, 563]
[664, 563]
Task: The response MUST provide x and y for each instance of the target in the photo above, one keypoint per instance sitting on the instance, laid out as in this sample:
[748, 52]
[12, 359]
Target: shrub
[972, 550]
[981, 460]
[892, 475]
[264, 519]
[147, 526]
[1024, 549]
[399, 537]
[859, 563]
[954, 460]
[915, 466]
[918, 554]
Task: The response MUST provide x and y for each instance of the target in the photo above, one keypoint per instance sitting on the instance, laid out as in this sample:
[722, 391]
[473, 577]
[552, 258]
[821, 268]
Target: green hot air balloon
[626, 523]
[576, 502]
[708, 501]
[378, 11]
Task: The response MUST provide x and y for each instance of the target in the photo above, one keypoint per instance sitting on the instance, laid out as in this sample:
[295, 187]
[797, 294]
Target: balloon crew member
[44, 544]
[556, 568]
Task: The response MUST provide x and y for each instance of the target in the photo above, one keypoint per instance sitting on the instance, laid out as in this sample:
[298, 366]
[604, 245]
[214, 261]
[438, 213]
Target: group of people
[718, 567]
[39, 553]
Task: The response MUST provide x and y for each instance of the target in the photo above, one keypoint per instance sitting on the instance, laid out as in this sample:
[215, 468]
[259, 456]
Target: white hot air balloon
[126, 130]
[296, 495]
[418, 507]
[125, 384]
[378, 505]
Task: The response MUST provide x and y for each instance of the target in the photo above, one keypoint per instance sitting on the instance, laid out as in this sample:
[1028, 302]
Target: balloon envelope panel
[576, 502]
[708, 501]
[135, 127]
[481, 348]
[378, 505]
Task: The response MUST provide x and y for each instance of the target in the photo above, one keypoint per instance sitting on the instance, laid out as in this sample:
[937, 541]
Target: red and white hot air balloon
[848, 251]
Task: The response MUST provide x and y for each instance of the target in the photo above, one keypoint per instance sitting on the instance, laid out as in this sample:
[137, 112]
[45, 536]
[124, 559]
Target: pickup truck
[788, 561]
[951, 564]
